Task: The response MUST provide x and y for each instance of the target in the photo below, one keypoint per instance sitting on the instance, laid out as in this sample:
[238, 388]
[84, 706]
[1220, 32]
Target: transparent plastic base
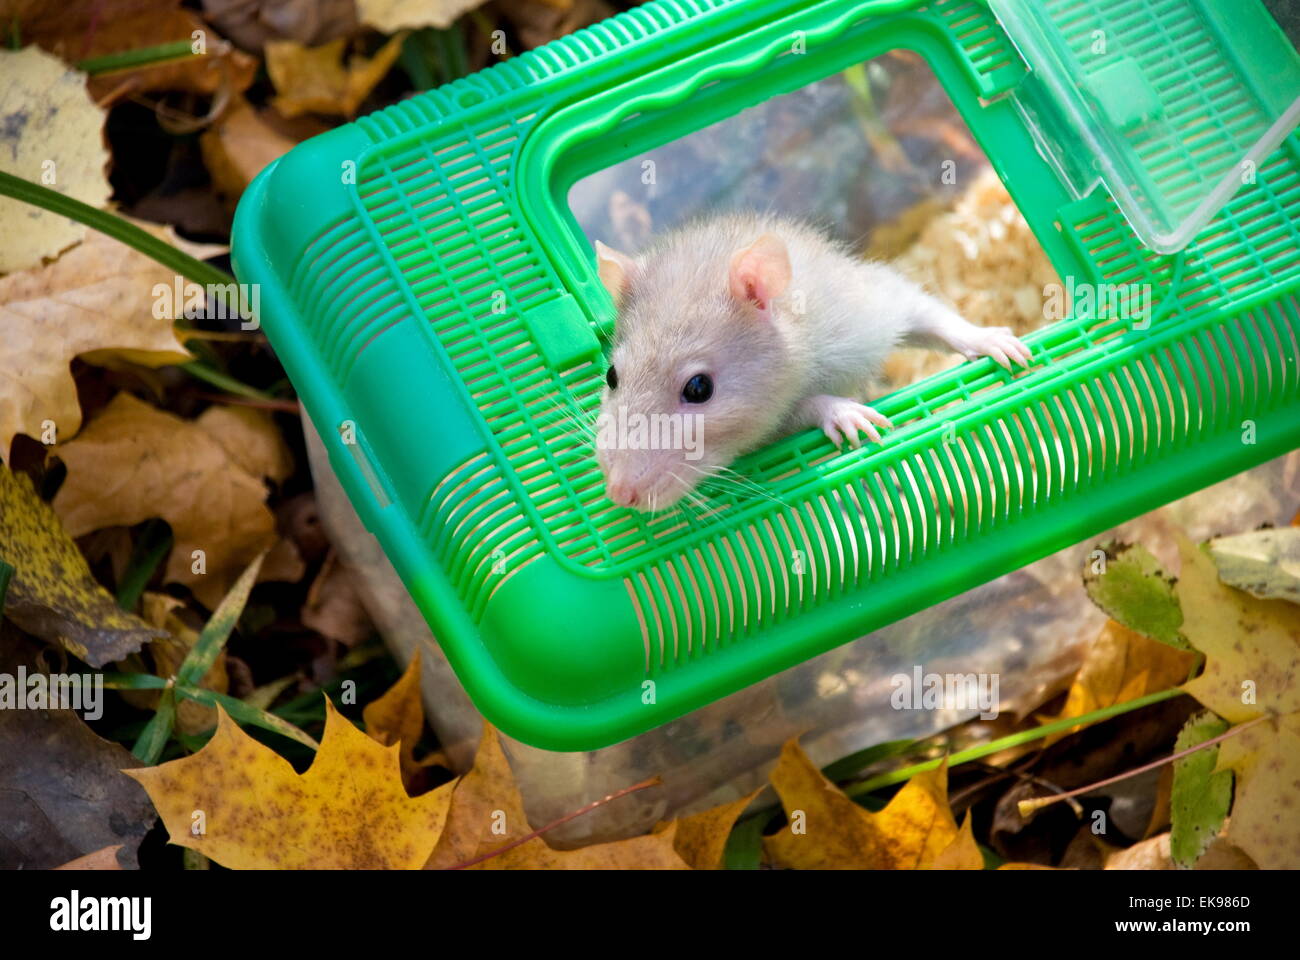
[1028, 628]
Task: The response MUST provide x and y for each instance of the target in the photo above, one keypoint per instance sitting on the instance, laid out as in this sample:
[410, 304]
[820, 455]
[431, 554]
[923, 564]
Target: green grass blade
[214, 635]
[155, 540]
[157, 731]
[133, 681]
[143, 57]
[243, 712]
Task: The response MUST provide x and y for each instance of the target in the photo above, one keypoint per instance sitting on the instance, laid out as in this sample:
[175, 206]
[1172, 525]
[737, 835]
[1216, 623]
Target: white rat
[753, 326]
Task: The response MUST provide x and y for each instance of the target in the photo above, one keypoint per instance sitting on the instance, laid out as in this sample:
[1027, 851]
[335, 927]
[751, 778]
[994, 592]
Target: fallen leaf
[251, 440]
[833, 832]
[1154, 854]
[398, 717]
[487, 813]
[51, 133]
[314, 79]
[1133, 589]
[105, 859]
[1201, 796]
[348, 811]
[701, 838]
[63, 793]
[333, 607]
[97, 302]
[1252, 669]
[239, 146]
[1264, 563]
[134, 462]
[250, 23]
[1122, 665]
[52, 594]
[963, 853]
[86, 29]
[390, 16]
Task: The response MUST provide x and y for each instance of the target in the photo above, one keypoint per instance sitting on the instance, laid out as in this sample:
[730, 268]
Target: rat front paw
[843, 419]
[999, 344]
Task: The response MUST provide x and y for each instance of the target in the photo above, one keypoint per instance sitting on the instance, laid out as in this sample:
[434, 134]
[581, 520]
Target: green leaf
[1200, 798]
[744, 849]
[245, 713]
[214, 635]
[157, 731]
[1132, 588]
[133, 681]
[154, 543]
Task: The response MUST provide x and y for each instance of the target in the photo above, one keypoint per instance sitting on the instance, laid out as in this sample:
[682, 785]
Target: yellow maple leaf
[827, 830]
[487, 815]
[134, 462]
[398, 717]
[1252, 670]
[348, 811]
[1122, 665]
[96, 302]
[701, 838]
[53, 135]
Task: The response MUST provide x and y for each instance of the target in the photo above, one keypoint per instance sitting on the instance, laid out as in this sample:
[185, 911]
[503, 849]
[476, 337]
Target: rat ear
[614, 269]
[761, 271]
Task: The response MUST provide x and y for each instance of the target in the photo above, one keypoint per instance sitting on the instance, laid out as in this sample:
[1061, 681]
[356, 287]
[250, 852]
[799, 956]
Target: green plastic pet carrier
[437, 307]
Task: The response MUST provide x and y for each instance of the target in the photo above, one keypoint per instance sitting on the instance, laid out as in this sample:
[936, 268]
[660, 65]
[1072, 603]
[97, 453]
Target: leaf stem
[1029, 806]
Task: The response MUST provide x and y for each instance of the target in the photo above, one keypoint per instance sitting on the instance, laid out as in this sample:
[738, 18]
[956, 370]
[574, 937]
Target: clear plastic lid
[1172, 104]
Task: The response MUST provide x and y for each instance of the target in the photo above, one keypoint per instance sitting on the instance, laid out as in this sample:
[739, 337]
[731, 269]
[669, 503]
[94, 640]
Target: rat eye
[698, 389]
[611, 377]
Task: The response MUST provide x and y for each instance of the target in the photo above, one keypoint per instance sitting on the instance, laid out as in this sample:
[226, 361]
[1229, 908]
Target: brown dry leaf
[134, 462]
[348, 811]
[251, 439]
[1154, 854]
[963, 853]
[333, 607]
[390, 16]
[539, 23]
[250, 23]
[1122, 665]
[1252, 669]
[487, 813]
[53, 594]
[51, 133]
[79, 30]
[912, 832]
[159, 610]
[239, 146]
[701, 838]
[314, 79]
[105, 859]
[96, 301]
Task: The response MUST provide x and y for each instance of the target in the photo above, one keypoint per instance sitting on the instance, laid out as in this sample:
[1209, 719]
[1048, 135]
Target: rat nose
[621, 489]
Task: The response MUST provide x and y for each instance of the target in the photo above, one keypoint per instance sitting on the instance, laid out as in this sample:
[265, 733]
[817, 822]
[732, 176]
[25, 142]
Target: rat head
[697, 355]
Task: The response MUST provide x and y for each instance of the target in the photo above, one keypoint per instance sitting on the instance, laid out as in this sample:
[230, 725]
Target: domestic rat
[736, 329]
